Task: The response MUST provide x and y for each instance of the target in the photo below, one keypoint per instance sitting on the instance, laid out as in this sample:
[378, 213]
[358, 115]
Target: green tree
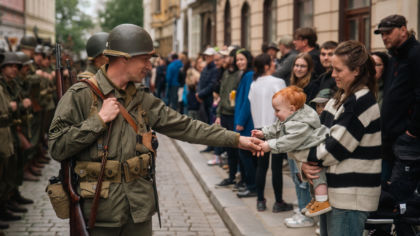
[71, 24]
[121, 11]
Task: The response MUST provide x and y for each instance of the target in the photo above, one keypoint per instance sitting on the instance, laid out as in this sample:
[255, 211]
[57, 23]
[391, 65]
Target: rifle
[77, 223]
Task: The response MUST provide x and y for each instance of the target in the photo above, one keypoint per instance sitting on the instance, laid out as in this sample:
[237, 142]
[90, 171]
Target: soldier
[18, 104]
[79, 128]
[27, 45]
[94, 48]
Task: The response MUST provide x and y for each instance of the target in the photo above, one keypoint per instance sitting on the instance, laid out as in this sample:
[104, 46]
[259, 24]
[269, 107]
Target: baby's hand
[265, 147]
[257, 133]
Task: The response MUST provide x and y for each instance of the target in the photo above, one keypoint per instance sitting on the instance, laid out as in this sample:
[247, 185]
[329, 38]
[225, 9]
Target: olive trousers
[129, 229]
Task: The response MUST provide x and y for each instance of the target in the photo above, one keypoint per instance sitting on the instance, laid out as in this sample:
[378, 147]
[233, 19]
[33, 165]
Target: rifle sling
[123, 111]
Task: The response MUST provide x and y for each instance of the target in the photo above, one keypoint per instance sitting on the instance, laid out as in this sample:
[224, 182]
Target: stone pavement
[185, 208]
[241, 215]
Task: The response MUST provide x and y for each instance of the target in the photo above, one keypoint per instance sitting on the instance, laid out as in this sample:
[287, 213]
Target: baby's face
[282, 108]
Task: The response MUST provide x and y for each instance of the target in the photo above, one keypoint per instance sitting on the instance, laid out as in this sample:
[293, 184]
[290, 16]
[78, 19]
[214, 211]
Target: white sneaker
[300, 222]
[296, 216]
[317, 231]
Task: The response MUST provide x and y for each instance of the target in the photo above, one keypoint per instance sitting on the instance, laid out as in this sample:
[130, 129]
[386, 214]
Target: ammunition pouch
[136, 167]
[59, 200]
[88, 171]
[87, 189]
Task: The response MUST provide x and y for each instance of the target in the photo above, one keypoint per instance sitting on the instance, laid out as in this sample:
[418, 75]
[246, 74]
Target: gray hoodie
[301, 130]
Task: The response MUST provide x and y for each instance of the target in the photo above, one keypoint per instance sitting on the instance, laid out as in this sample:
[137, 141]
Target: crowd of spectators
[369, 101]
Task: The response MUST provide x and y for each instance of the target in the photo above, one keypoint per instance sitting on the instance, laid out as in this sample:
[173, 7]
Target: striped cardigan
[352, 152]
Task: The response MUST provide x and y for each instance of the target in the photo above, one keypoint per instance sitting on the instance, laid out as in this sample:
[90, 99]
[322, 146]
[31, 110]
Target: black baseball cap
[390, 22]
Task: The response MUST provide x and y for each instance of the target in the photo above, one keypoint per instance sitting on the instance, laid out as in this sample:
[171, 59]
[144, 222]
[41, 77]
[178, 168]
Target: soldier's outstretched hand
[110, 109]
[250, 144]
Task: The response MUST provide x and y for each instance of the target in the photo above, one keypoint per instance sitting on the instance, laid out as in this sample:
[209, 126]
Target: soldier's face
[138, 67]
[10, 71]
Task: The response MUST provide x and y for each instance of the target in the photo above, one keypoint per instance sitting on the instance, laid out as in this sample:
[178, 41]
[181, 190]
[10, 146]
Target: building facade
[12, 22]
[40, 19]
[250, 23]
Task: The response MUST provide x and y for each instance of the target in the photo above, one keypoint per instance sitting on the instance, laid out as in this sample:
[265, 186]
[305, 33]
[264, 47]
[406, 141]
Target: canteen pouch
[87, 189]
[136, 167]
[59, 200]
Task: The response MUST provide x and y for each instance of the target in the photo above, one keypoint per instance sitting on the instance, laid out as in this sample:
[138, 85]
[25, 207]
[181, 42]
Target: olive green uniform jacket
[77, 127]
[90, 71]
[6, 141]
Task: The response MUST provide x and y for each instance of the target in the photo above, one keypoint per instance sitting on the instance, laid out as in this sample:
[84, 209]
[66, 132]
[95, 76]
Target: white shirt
[260, 97]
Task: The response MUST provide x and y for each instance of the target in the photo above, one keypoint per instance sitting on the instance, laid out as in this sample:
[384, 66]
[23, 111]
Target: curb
[233, 211]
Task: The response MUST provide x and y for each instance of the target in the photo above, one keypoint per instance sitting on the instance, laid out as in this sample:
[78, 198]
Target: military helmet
[28, 42]
[46, 50]
[96, 45]
[39, 49]
[127, 40]
[23, 58]
[10, 58]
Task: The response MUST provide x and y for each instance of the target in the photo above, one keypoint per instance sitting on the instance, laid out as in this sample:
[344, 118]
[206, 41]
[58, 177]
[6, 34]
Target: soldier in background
[94, 48]
[18, 105]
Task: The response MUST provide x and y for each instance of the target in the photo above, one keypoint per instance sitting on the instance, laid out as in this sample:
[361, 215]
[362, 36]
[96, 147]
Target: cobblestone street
[185, 209]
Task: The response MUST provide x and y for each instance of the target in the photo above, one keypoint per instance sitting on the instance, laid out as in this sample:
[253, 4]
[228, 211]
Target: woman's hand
[311, 169]
[239, 128]
[217, 121]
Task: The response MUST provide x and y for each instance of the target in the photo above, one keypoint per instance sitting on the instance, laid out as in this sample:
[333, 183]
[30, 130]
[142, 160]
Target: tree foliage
[71, 24]
[121, 11]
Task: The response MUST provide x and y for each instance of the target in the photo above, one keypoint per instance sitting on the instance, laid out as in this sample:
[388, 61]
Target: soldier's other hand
[217, 121]
[257, 133]
[13, 105]
[250, 144]
[26, 102]
[39, 72]
[110, 109]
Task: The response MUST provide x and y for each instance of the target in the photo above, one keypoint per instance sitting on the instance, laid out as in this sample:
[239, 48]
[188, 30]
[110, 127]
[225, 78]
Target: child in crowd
[297, 129]
[321, 100]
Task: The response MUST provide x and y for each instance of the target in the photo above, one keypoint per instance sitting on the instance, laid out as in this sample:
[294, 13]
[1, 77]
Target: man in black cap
[400, 114]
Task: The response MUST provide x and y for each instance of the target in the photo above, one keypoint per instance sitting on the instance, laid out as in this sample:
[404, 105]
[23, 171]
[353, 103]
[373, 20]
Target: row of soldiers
[27, 102]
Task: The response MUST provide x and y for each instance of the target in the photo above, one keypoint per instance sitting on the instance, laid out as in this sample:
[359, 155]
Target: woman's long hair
[385, 58]
[248, 56]
[304, 81]
[355, 56]
[260, 62]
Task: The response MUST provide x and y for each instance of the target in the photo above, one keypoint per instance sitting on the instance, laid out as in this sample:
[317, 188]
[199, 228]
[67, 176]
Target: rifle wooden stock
[77, 223]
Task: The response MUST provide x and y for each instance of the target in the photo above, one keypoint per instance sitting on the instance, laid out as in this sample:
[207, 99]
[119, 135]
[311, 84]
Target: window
[228, 26]
[245, 26]
[303, 13]
[355, 21]
[270, 21]
[157, 6]
[207, 33]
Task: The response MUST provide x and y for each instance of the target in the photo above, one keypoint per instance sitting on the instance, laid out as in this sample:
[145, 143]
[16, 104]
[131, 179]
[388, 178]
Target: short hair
[307, 33]
[174, 56]
[287, 41]
[329, 45]
[293, 94]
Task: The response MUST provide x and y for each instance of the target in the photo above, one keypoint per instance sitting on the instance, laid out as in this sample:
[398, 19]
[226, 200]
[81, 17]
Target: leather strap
[123, 111]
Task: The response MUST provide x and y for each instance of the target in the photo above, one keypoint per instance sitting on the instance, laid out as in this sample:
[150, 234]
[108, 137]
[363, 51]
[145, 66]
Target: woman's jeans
[302, 188]
[343, 222]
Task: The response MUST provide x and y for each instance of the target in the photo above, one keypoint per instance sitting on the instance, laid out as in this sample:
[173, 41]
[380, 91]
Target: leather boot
[35, 171]
[14, 207]
[21, 200]
[3, 226]
[28, 176]
[38, 164]
[6, 215]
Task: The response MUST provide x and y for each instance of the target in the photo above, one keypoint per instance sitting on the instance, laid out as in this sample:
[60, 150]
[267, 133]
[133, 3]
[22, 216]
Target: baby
[298, 128]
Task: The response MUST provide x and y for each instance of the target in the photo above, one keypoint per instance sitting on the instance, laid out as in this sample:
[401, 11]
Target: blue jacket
[172, 73]
[242, 107]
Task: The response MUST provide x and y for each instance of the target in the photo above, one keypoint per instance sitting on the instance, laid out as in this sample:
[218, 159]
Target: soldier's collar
[107, 86]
